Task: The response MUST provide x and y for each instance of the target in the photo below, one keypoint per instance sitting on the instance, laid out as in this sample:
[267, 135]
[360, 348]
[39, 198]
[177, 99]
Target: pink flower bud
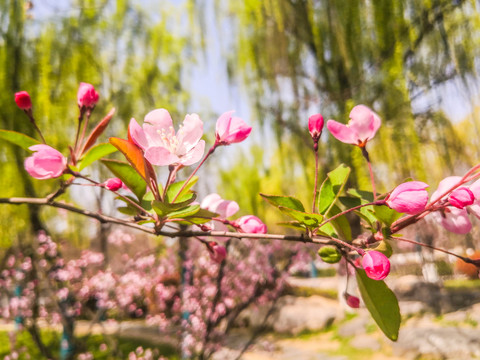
[86, 96]
[22, 98]
[352, 301]
[230, 129]
[376, 265]
[45, 163]
[361, 128]
[410, 197]
[113, 184]
[218, 253]
[461, 197]
[315, 126]
[251, 224]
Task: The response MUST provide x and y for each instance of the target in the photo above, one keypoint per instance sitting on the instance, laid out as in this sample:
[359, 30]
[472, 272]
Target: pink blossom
[23, 101]
[361, 128]
[113, 184]
[45, 163]
[461, 197]
[315, 126]
[410, 197]
[219, 253]
[251, 224]
[451, 218]
[160, 143]
[86, 96]
[230, 129]
[352, 301]
[376, 265]
[475, 207]
[224, 208]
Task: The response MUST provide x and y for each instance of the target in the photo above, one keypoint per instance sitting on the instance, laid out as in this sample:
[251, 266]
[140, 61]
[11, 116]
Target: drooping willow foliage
[134, 59]
[297, 57]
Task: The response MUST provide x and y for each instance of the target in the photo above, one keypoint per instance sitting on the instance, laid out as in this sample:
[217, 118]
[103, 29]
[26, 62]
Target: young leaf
[332, 187]
[202, 216]
[19, 139]
[341, 224]
[287, 202]
[185, 212]
[96, 153]
[174, 188]
[164, 208]
[134, 155]
[293, 225]
[386, 215]
[128, 176]
[97, 131]
[310, 220]
[382, 304]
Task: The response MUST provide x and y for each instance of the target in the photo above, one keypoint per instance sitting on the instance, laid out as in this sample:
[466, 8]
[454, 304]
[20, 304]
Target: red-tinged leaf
[99, 129]
[134, 155]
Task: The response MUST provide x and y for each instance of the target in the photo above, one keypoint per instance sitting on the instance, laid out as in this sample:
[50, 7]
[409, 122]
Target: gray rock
[354, 327]
[408, 308]
[365, 342]
[438, 343]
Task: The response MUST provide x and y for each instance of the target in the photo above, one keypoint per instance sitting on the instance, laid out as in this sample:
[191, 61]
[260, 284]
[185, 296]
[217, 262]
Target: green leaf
[382, 304]
[341, 224]
[361, 194]
[96, 153]
[173, 190]
[128, 175]
[385, 248]
[293, 225]
[310, 220]
[128, 210]
[386, 215]
[202, 216]
[19, 139]
[287, 202]
[330, 254]
[361, 197]
[185, 212]
[164, 208]
[332, 187]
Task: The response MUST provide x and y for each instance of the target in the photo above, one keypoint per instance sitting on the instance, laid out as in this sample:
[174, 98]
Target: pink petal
[137, 134]
[454, 220]
[160, 118]
[160, 156]
[237, 131]
[191, 132]
[342, 132]
[194, 155]
[210, 202]
[364, 122]
[223, 123]
[226, 208]
[444, 186]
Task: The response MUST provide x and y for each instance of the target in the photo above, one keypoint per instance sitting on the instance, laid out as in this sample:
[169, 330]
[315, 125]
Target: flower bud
[113, 184]
[218, 253]
[22, 98]
[410, 197]
[230, 129]
[352, 301]
[86, 96]
[45, 163]
[315, 126]
[376, 265]
[251, 224]
[461, 197]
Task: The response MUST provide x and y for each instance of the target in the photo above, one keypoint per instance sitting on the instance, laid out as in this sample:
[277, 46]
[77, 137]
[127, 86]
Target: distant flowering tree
[224, 264]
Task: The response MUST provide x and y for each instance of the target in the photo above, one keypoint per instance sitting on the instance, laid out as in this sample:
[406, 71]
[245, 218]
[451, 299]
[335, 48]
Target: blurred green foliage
[132, 58]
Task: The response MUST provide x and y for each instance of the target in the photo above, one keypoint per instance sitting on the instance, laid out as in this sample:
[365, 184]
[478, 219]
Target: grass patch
[305, 291]
[118, 347]
[461, 284]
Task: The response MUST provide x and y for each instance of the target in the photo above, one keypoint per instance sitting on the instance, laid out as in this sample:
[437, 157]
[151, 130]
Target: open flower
[230, 129]
[162, 145]
[362, 126]
[376, 265]
[451, 218]
[410, 197]
[45, 163]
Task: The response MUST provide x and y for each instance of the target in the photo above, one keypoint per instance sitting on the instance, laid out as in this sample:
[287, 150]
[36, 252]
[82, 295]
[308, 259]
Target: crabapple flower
[376, 265]
[475, 207]
[23, 101]
[45, 163]
[315, 126]
[251, 224]
[224, 208]
[451, 218]
[86, 96]
[461, 197]
[230, 130]
[352, 301]
[410, 197]
[113, 184]
[362, 126]
[160, 143]
[218, 253]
